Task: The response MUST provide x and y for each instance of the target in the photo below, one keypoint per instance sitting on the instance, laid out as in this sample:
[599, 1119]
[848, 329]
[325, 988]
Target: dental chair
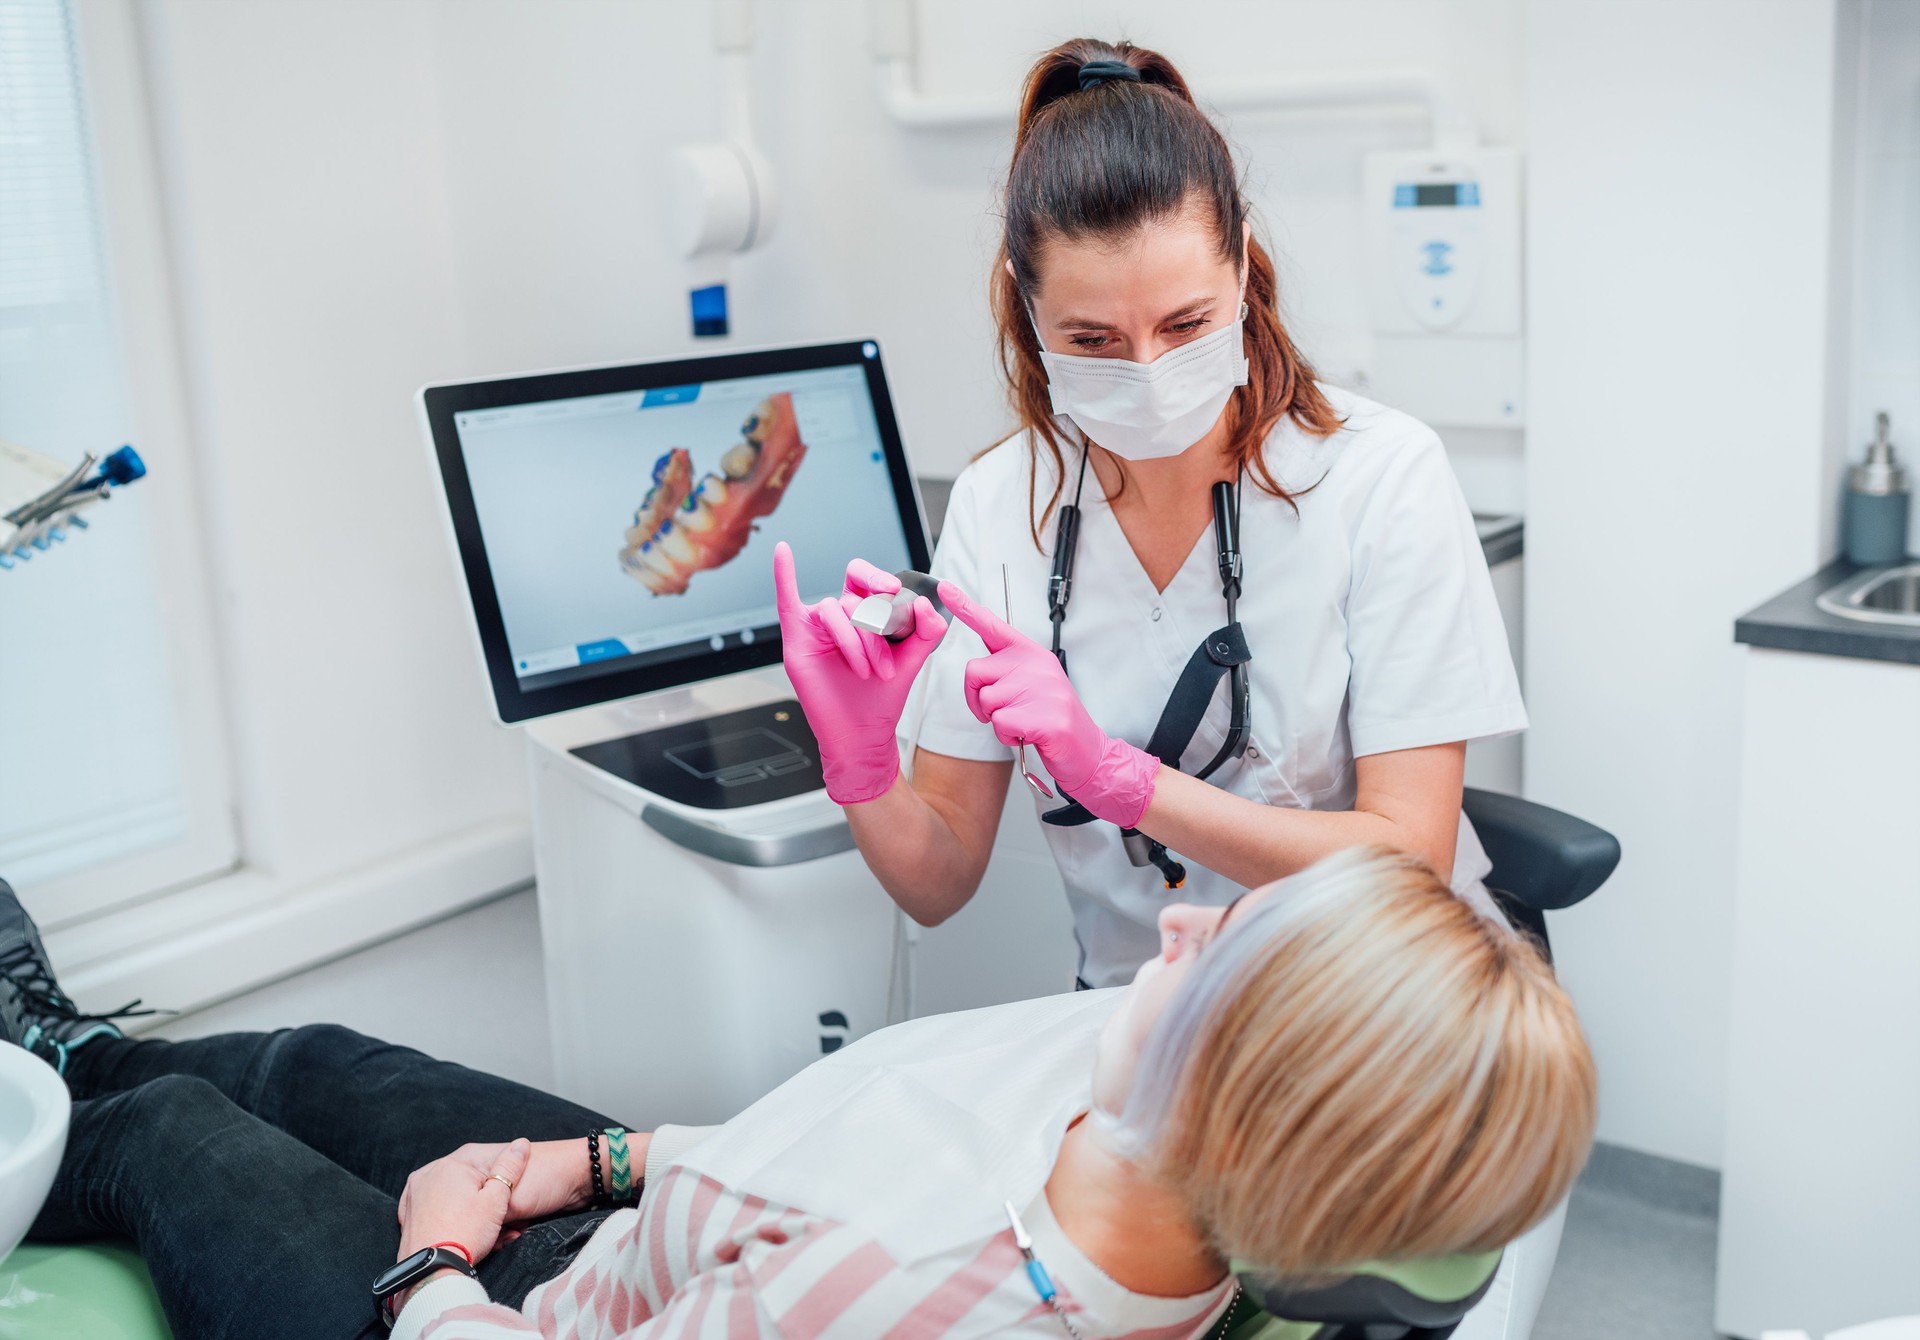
[1543, 861]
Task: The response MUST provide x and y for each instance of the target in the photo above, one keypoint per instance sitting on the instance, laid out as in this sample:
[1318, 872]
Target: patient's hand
[557, 1178]
[452, 1200]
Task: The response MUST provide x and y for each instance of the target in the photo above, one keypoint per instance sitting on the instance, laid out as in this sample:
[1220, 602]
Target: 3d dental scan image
[682, 527]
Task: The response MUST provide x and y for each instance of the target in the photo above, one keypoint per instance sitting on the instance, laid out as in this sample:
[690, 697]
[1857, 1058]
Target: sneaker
[34, 1012]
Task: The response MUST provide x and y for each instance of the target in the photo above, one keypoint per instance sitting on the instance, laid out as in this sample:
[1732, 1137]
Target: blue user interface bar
[669, 395]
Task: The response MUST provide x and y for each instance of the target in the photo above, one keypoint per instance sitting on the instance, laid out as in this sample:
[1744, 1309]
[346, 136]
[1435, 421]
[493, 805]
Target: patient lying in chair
[1347, 1065]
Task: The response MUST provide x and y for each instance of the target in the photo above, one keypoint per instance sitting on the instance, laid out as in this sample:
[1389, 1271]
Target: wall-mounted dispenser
[1444, 284]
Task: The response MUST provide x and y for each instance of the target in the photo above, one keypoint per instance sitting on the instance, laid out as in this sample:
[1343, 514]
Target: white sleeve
[1430, 663]
[668, 1144]
[937, 717]
[433, 1300]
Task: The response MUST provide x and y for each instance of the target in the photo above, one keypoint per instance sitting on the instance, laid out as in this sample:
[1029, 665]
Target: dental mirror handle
[891, 616]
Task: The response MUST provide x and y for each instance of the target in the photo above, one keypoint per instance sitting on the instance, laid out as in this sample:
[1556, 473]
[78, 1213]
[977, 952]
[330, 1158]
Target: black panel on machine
[719, 763]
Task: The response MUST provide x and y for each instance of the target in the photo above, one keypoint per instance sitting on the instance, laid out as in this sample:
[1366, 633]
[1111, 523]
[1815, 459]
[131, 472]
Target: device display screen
[1436, 194]
[633, 530]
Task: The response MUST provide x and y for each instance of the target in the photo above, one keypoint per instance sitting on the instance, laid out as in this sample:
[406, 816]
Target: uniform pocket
[1257, 775]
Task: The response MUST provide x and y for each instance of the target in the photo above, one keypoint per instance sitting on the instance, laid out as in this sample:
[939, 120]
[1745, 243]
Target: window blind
[90, 769]
[49, 237]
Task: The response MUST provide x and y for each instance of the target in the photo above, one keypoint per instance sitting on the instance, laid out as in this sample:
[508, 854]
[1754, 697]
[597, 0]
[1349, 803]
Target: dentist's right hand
[852, 684]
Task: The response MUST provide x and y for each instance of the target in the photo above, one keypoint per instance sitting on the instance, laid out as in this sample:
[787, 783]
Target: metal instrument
[1039, 785]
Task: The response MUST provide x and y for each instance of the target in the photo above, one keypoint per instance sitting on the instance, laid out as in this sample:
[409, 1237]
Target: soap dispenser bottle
[1877, 501]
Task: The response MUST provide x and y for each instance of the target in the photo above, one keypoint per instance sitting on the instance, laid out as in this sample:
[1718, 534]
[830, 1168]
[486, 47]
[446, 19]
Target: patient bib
[918, 1132]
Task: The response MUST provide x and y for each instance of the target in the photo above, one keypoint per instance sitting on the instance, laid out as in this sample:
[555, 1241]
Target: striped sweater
[699, 1260]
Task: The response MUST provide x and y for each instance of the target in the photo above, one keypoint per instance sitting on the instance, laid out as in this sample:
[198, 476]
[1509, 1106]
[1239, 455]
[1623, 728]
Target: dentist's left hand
[1021, 691]
[852, 684]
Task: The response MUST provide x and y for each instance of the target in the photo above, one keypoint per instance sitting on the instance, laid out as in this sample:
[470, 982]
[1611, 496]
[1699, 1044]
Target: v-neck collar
[1153, 595]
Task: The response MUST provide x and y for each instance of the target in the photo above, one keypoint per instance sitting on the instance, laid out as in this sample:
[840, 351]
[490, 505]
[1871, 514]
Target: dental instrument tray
[41, 500]
[615, 525]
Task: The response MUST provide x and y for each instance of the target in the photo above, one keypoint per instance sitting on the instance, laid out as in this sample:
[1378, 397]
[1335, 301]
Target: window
[112, 770]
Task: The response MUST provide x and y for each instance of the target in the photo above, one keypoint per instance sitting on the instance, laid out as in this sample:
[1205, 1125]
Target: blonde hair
[1360, 1068]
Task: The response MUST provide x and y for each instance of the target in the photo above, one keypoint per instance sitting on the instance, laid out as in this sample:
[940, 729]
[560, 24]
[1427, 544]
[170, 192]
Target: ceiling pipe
[1390, 89]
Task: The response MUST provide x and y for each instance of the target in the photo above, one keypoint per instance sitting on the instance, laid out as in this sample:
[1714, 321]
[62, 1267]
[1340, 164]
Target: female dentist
[1250, 622]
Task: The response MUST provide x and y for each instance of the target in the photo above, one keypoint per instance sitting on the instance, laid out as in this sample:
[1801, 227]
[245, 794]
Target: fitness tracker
[412, 1269]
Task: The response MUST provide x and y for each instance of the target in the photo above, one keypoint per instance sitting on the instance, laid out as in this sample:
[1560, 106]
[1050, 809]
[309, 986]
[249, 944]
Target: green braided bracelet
[619, 1165]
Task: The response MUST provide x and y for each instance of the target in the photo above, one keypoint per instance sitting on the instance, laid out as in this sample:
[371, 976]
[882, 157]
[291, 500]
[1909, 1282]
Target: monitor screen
[616, 525]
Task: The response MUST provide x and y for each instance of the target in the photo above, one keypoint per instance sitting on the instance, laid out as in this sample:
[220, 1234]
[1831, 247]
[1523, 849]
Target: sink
[1878, 595]
[33, 1134]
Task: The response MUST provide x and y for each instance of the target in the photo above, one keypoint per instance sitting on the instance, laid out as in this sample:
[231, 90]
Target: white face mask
[1144, 411]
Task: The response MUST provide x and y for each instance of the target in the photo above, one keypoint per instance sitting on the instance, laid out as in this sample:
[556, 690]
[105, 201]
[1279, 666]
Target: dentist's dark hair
[1109, 140]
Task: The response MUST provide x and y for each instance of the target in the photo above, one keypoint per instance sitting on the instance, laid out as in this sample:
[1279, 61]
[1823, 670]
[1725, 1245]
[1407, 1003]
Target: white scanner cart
[708, 927]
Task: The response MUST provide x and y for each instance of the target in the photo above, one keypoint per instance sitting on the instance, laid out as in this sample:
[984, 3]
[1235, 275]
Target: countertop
[1792, 622]
[1502, 538]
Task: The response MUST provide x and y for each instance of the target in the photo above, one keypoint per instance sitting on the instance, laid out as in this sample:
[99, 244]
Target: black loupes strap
[1218, 653]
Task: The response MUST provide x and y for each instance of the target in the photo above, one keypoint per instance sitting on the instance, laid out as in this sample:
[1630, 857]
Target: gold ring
[496, 1177]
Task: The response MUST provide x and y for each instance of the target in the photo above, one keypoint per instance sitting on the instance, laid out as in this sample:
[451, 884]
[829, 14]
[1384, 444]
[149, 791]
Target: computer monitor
[616, 524]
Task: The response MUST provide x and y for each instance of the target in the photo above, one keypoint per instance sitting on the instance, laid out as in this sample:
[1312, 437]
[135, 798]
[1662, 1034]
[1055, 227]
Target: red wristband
[458, 1248]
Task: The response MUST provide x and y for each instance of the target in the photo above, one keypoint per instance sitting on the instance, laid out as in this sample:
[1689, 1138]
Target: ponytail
[1109, 139]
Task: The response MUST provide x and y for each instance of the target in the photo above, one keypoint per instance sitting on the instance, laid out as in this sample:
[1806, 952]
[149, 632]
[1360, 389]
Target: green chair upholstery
[101, 1291]
[79, 1291]
[1408, 1300]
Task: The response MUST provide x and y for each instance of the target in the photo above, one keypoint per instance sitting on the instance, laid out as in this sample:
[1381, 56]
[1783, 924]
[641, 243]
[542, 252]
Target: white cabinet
[1820, 1204]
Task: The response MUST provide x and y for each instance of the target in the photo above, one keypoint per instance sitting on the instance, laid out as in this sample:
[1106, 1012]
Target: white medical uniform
[1369, 613]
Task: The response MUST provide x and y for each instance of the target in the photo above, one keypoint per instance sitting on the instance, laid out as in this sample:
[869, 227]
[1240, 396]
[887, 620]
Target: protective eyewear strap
[1066, 542]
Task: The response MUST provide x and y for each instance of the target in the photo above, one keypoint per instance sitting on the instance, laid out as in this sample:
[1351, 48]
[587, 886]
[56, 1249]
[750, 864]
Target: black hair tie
[1096, 72]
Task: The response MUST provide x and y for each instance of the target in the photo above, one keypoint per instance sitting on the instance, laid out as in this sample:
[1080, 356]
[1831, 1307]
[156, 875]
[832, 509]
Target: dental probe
[1040, 788]
[891, 616]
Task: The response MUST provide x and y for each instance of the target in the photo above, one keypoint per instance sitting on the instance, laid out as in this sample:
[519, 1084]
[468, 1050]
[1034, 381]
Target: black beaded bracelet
[593, 1160]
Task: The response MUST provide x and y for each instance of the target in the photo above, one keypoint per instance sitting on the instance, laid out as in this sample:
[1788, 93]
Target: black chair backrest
[1542, 858]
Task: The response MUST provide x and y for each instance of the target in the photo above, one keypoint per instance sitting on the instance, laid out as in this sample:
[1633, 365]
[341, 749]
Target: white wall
[1677, 328]
[301, 162]
[556, 122]
[297, 156]
[1885, 289]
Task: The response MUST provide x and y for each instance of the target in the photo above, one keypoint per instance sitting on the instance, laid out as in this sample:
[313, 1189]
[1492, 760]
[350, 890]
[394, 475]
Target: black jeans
[259, 1173]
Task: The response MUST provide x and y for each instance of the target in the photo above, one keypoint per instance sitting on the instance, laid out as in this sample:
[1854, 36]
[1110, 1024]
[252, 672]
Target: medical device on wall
[707, 925]
[1444, 249]
[722, 198]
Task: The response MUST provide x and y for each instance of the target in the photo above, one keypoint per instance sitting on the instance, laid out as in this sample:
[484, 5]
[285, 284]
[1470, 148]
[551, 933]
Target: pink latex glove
[1021, 691]
[852, 684]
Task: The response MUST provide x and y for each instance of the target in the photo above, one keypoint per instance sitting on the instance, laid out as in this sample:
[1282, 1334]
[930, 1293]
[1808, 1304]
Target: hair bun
[1097, 72]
